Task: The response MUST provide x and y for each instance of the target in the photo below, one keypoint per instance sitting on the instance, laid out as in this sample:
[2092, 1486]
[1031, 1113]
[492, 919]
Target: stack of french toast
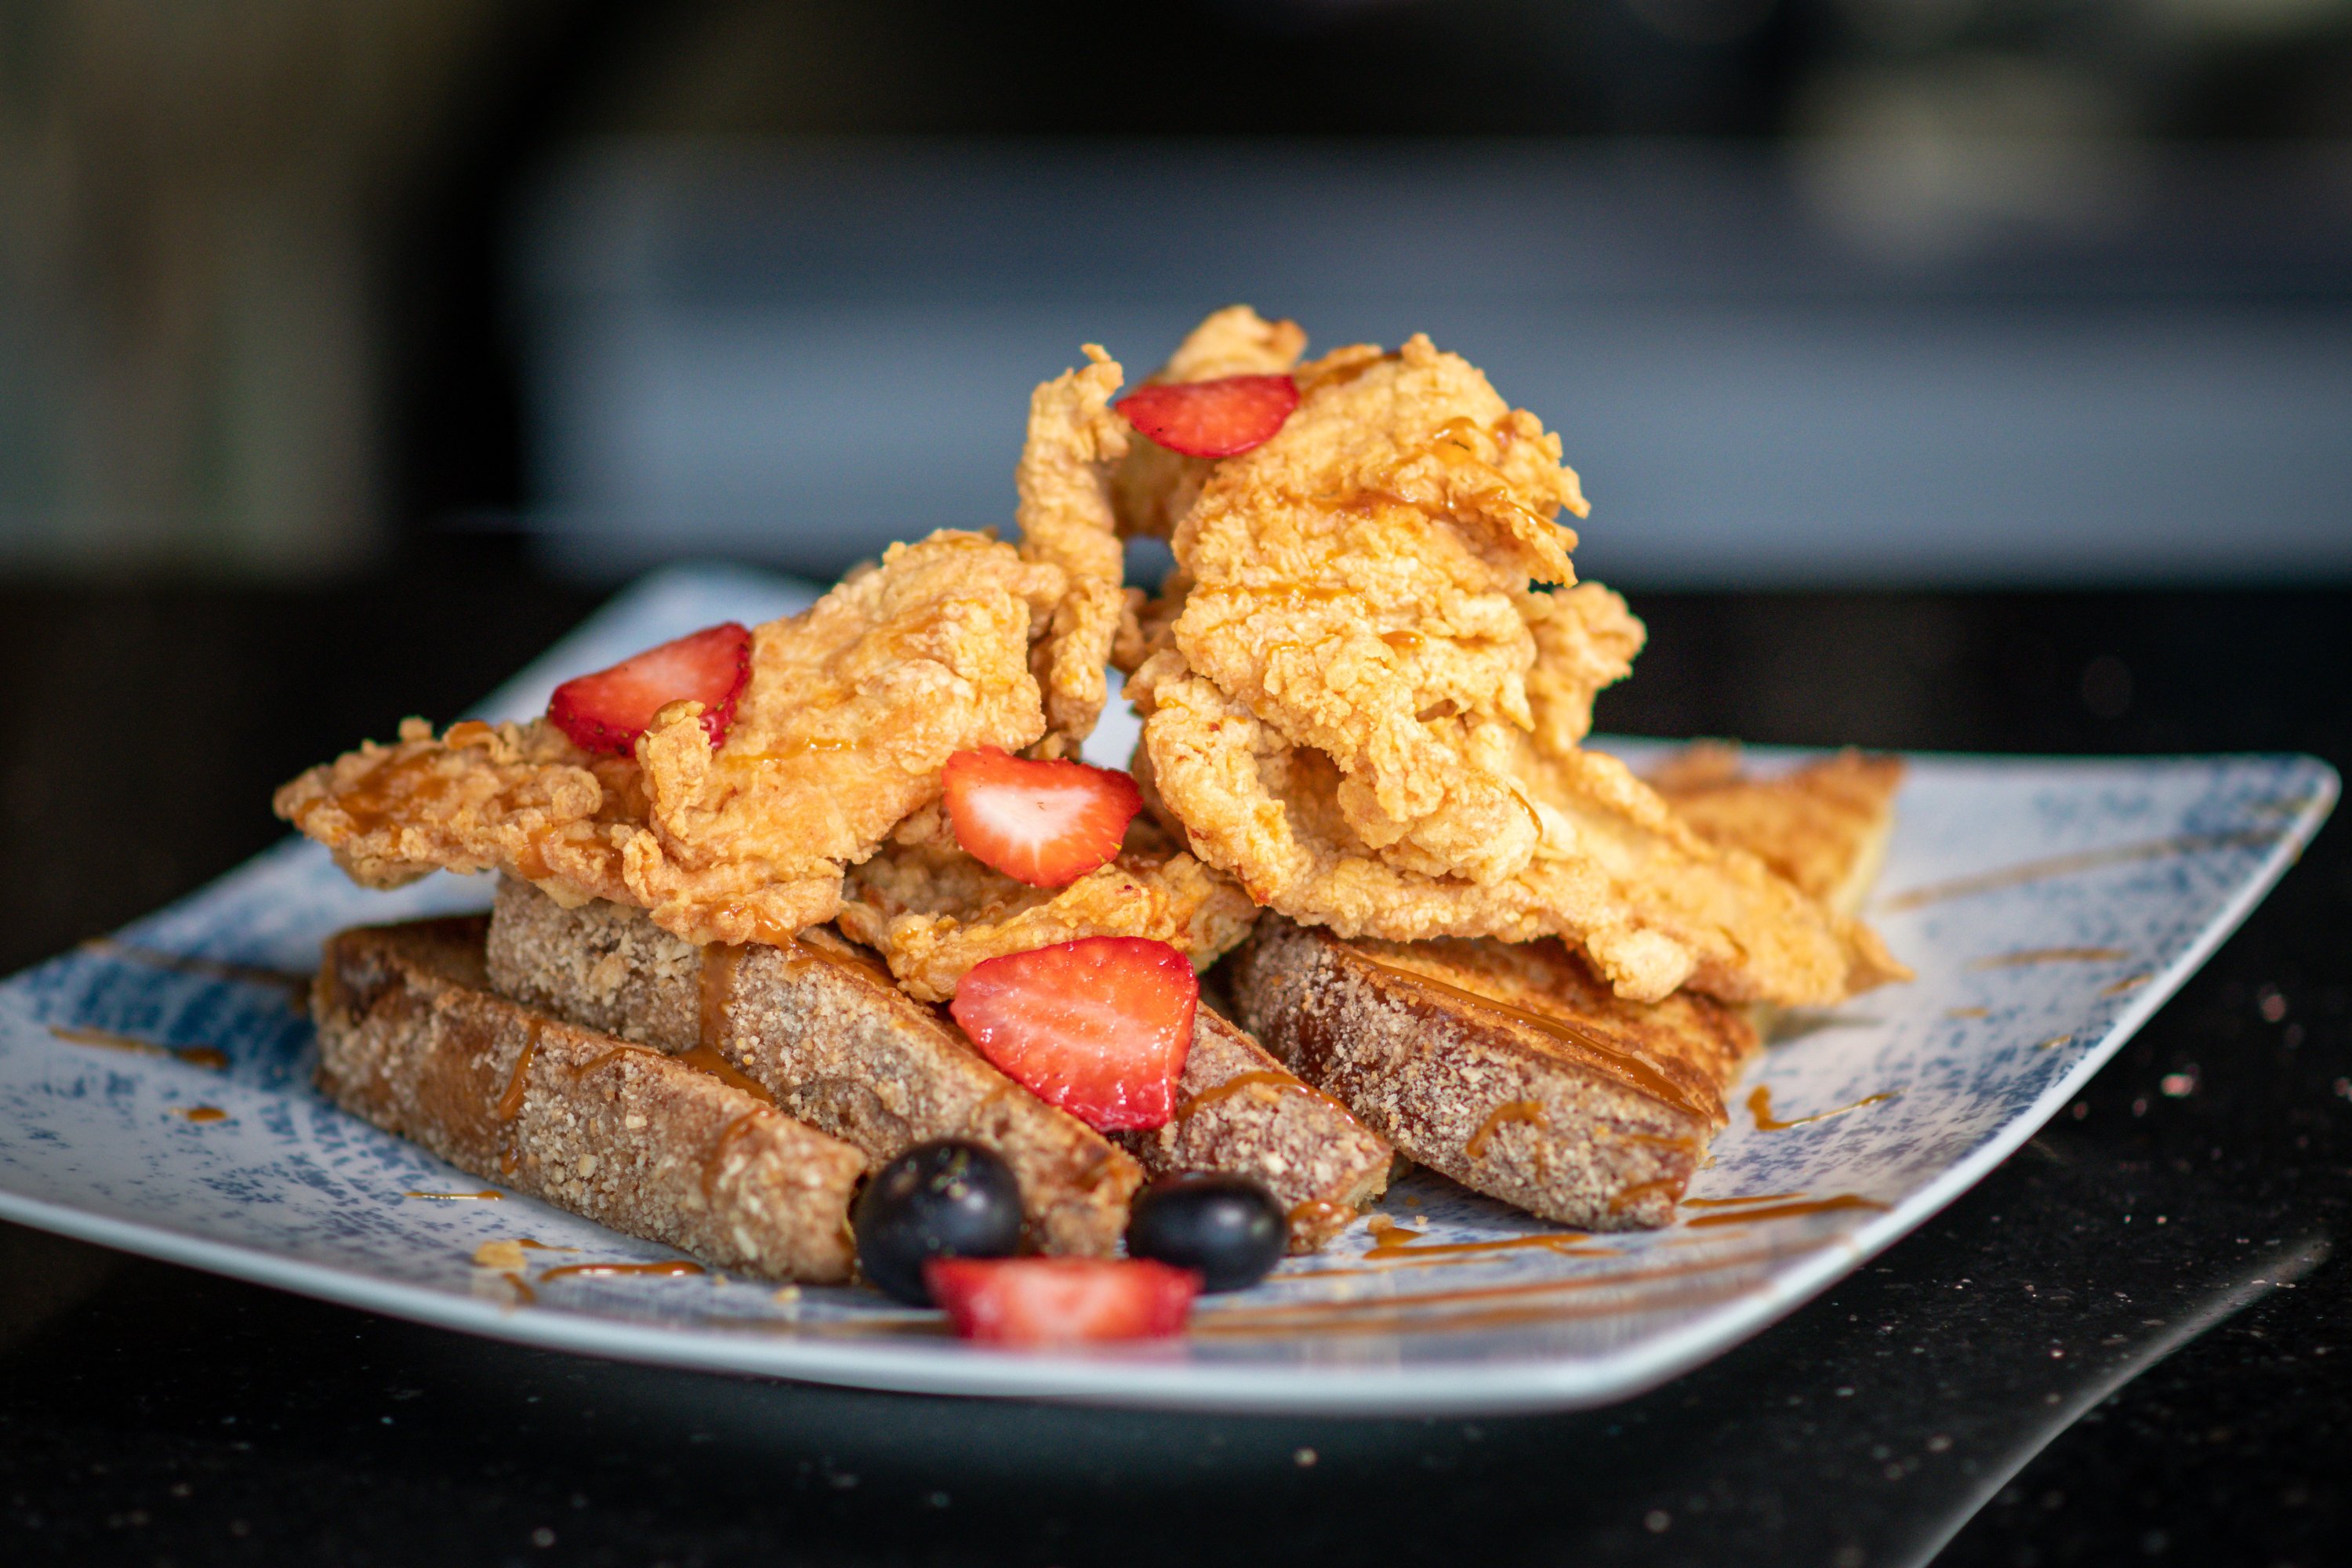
[776, 906]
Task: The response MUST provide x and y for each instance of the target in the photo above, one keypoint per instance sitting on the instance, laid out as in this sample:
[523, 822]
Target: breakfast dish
[824, 949]
[1363, 693]
[157, 1095]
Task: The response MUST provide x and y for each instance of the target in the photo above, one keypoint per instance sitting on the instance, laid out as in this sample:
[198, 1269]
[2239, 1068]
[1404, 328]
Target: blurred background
[1819, 292]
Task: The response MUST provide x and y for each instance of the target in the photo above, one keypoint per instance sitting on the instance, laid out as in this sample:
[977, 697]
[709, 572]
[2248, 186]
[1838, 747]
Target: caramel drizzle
[486, 1194]
[1620, 1063]
[1788, 1210]
[524, 1295]
[509, 1104]
[1760, 1106]
[206, 1113]
[1216, 1094]
[702, 1059]
[211, 1057]
[670, 1267]
[1739, 1202]
[719, 964]
[2051, 955]
[1527, 1110]
[2128, 983]
[2087, 860]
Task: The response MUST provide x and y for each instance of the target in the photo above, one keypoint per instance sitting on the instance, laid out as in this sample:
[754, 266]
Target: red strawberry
[1099, 1026]
[608, 710]
[1212, 418]
[1045, 823]
[1051, 1301]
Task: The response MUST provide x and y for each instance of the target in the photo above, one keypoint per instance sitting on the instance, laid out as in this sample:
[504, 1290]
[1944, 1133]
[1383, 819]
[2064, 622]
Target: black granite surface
[2130, 1343]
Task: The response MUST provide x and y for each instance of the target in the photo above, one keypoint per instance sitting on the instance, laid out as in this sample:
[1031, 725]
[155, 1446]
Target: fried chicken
[1365, 706]
[852, 709]
[933, 911]
[1063, 481]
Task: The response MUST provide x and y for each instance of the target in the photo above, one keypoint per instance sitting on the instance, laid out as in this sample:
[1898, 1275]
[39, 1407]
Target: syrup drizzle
[1528, 1111]
[2089, 860]
[1760, 1106]
[509, 1104]
[488, 1194]
[211, 1057]
[204, 1113]
[2032, 956]
[1215, 1094]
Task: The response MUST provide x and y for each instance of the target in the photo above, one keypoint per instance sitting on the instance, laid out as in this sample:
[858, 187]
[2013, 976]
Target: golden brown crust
[933, 911]
[1654, 906]
[823, 1029]
[1823, 826]
[1241, 1112]
[1063, 483]
[852, 709]
[627, 1137]
[1511, 1069]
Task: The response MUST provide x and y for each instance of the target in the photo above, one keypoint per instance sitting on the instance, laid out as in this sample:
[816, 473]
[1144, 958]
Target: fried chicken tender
[852, 709]
[933, 911]
[1654, 905]
[1365, 705]
[1063, 482]
[1362, 582]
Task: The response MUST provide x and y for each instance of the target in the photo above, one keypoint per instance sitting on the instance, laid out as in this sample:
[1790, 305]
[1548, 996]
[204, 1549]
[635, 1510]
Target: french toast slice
[1823, 826]
[824, 1029]
[1512, 1069]
[1240, 1112]
[411, 1040]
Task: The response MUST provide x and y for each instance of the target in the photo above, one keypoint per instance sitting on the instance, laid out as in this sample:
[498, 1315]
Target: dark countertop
[2130, 1343]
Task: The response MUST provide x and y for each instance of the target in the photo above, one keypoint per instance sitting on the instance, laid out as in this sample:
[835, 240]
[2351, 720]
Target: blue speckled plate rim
[1126, 1377]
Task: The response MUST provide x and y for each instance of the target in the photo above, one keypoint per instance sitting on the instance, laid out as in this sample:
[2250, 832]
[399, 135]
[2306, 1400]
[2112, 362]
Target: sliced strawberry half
[608, 710]
[1219, 418]
[1099, 1026]
[1045, 823]
[1048, 1301]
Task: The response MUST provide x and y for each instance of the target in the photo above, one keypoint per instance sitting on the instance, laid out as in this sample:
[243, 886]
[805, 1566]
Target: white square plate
[2050, 907]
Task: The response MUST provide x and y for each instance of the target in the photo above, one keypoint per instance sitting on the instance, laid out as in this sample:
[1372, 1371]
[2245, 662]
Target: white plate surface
[2050, 907]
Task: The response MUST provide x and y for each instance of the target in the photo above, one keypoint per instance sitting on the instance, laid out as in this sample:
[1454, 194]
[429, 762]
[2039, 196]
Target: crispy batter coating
[1362, 584]
[852, 709]
[1064, 480]
[1654, 905]
[933, 911]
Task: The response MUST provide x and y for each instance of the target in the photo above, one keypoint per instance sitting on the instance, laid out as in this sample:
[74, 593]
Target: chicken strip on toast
[1367, 705]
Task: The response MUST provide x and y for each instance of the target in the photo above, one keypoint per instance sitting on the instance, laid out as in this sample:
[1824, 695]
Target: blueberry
[948, 1198]
[1228, 1227]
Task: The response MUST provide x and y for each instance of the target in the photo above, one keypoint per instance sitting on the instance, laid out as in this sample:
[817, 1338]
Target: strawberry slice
[1045, 823]
[1099, 1026]
[608, 710]
[1216, 418]
[1054, 1301]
